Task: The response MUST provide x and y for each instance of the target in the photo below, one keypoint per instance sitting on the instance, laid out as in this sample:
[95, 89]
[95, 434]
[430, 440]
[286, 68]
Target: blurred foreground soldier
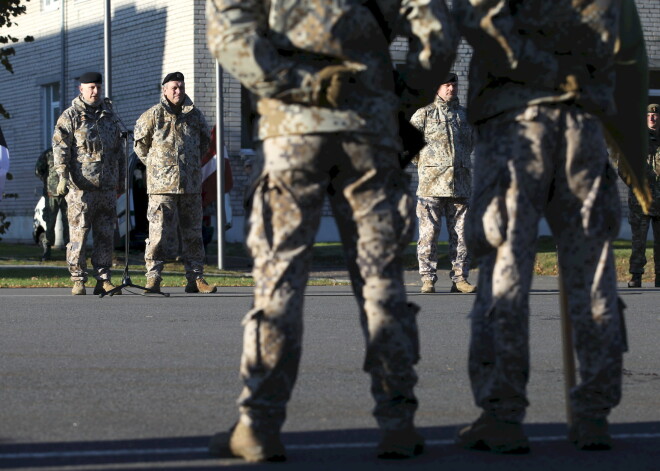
[445, 182]
[89, 160]
[45, 171]
[640, 222]
[542, 79]
[328, 107]
[170, 139]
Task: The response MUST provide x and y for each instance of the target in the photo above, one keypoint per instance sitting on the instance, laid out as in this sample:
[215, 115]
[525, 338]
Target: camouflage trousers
[171, 216]
[639, 226]
[373, 209]
[544, 161]
[429, 213]
[96, 211]
[55, 204]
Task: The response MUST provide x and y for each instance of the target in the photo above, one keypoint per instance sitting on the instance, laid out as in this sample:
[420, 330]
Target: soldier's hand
[61, 187]
[333, 85]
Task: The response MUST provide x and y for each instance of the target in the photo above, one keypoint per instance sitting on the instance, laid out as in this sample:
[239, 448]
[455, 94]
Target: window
[51, 111]
[48, 5]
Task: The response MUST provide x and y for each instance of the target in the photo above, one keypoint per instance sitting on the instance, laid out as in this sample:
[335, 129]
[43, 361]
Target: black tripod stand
[126, 278]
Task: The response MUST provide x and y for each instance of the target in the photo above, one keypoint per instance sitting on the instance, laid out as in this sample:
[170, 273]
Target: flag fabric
[4, 162]
[209, 177]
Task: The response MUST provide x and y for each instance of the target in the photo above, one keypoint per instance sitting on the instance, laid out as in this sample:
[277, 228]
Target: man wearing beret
[170, 139]
[445, 183]
[89, 160]
[640, 222]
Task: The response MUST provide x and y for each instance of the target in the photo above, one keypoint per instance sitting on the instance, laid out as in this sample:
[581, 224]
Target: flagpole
[107, 42]
[220, 164]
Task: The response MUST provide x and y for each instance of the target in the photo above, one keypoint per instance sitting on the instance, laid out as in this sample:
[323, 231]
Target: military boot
[153, 285]
[103, 286]
[463, 286]
[428, 286]
[78, 288]
[489, 434]
[400, 444]
[200, 286]
[635, 281]
[590, 434]
[249, 444]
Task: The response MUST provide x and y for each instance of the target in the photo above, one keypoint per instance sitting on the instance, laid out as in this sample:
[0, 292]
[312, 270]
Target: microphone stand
[126, 278]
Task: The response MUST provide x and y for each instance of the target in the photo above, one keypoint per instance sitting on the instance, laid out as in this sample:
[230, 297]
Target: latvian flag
[209, 177]
[4, 162]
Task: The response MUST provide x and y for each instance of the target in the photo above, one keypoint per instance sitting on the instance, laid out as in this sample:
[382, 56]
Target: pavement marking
[300, 447]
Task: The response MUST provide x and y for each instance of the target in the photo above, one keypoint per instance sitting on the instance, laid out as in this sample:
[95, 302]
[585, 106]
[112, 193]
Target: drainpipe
[63, 86]
[107, 43]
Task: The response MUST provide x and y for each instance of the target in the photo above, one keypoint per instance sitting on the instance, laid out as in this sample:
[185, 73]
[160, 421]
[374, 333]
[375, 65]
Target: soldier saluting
[89, 160]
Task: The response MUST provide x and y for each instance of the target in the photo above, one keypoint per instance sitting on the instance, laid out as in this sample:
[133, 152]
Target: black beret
[450, 78]
[91, 77]
[178, 76]
[653, 108]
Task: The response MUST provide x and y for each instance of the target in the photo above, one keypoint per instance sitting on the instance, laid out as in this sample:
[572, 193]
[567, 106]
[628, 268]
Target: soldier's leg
[62, 207]
[192, 245]
[79, 218]
[429, 216]
[104, 221]
[639, 227]
[655, 224]
[162, 241]
[50, 218]
[458, 253]
[381, 217]
[282, 224]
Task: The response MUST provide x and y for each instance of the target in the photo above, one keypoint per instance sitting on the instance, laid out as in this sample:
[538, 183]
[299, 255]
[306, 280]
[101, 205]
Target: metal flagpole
[220, 164]
[107, 43]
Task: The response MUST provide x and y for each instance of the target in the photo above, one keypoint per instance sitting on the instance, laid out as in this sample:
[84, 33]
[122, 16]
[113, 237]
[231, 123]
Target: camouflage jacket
[652, 175]
[526, 53]
[171, 146]
[87, 146]
[45, 171]
[444, 165]
[276, 48]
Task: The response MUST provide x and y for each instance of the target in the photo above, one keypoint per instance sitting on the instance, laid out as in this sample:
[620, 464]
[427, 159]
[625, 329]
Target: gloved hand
[333, 85]
[62, 187]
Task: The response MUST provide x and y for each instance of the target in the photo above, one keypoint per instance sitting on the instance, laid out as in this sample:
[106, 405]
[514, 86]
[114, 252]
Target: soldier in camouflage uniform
[170, 139]
[45, 171]
[89, 159]
[327, 100]
[541, 76]
[445, 182]
[640, 222]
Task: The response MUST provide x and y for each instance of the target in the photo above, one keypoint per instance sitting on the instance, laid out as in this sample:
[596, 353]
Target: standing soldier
[640, 222]
[45, 171]
[445, 182]
[327, 102]
[542, 83]
[170, 139]
[89, 160]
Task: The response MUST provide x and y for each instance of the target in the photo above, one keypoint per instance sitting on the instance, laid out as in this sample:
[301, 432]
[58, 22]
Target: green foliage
[9, 9]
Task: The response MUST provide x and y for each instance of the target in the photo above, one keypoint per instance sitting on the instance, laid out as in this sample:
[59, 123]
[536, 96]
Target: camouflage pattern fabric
[370, 201]
[171, 146]
[430, 212]
[96, 211]
[640, 222]
[45, 171]
[167, 214]
[544, 161]
[87, 147]
[276, 49]
[444, 164]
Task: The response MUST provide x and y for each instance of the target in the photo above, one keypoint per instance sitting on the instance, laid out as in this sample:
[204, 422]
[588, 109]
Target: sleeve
[236, 38]
[204, 136]
[432, 42]
[142, 136]
[418, 120]
[62, 142]
[121, 163]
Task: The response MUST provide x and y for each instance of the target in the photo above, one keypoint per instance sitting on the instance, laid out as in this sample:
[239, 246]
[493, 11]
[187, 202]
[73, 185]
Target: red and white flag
[209, 177]
[4, 162]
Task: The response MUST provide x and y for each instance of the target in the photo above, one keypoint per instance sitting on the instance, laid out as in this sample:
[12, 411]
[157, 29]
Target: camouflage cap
[653, 108]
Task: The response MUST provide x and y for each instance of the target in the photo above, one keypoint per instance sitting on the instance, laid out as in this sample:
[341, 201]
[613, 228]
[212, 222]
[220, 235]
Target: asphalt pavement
[141, 382]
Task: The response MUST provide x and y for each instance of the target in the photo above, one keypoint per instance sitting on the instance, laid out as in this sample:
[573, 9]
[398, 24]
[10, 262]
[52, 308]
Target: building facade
[150, 38]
